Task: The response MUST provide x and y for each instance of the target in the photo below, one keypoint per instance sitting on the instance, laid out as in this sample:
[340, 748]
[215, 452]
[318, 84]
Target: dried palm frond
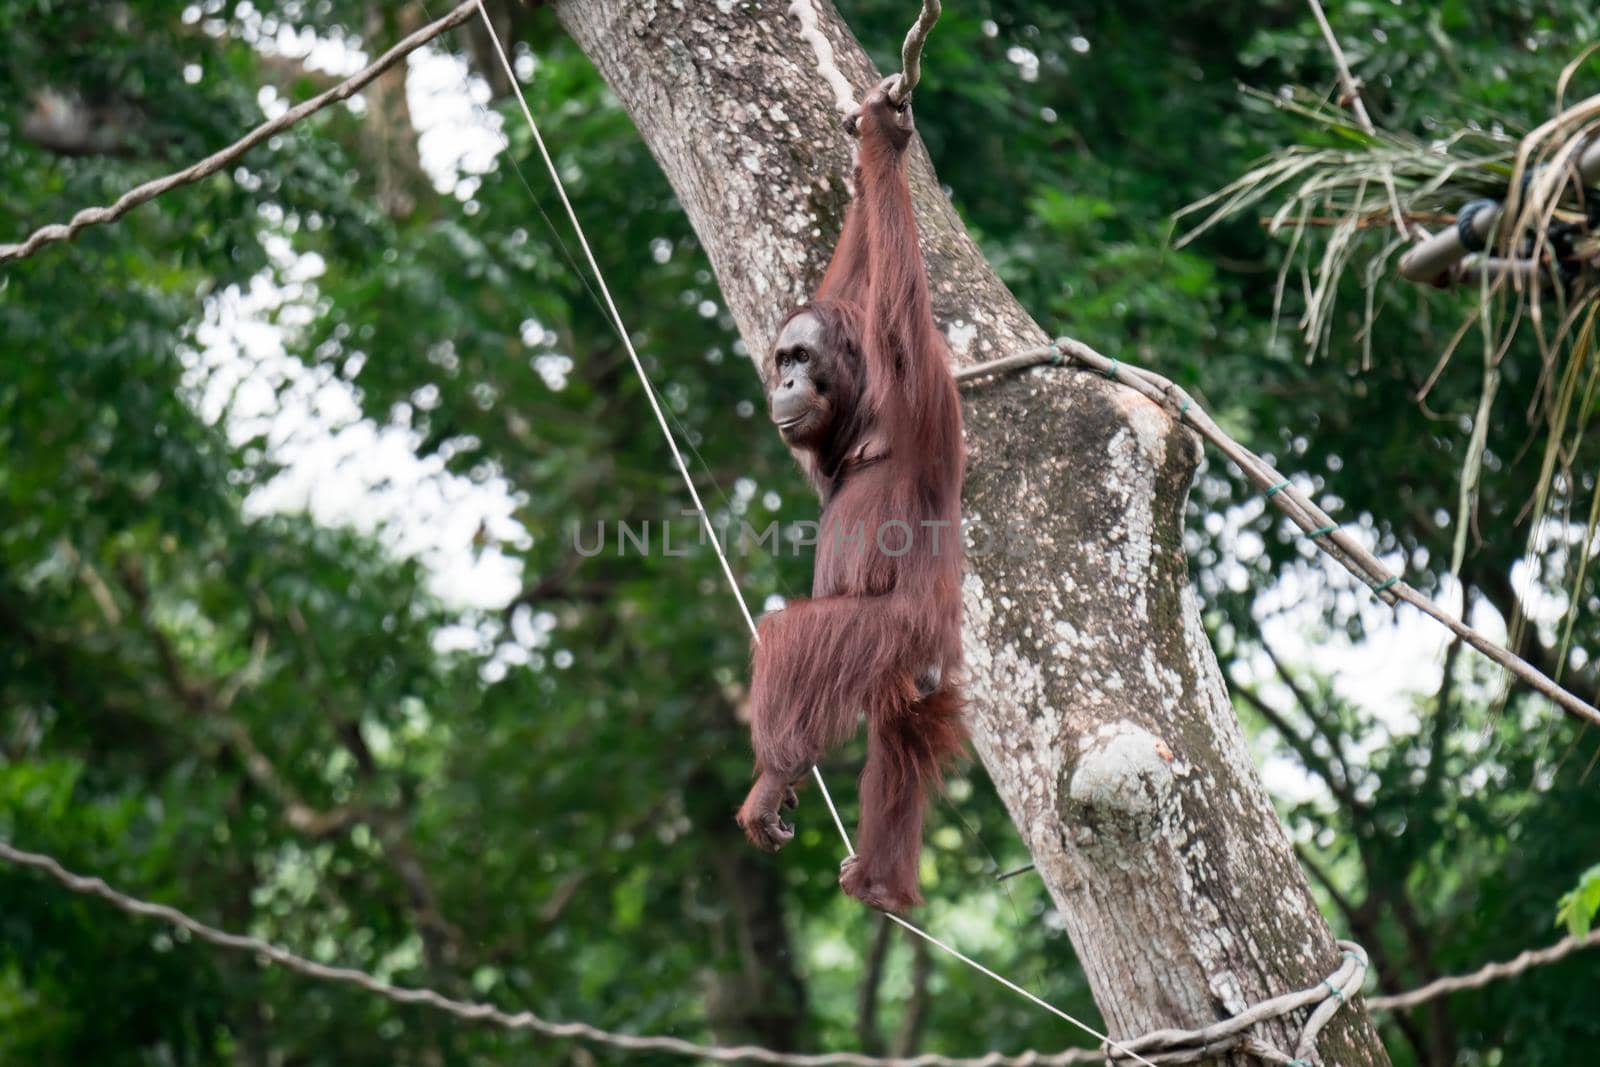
[1338, 201]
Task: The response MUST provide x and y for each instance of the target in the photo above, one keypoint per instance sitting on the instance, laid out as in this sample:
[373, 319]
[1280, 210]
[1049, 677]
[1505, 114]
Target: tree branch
[1336, 782]
[205, 704]
[1353, 913]
[1313, 715]
[141, 194]
[1443, 719]
[441, 938]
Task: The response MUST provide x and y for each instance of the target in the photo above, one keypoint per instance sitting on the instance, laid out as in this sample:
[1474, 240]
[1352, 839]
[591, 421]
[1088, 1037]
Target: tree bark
[1097, 705]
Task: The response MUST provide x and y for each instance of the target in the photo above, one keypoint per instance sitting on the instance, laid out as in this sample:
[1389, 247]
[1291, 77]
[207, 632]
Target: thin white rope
[616, 320]
[1014, 987]
[705, 518]
[644, 380]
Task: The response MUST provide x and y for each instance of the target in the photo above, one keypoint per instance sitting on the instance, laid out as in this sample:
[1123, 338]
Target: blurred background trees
[294, 633]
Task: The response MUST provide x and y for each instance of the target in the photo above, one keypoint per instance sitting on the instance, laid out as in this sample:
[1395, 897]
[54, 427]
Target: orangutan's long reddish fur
[876, 623]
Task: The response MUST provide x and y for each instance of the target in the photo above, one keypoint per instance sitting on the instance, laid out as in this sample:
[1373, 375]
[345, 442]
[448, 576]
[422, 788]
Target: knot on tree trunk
[1120, 790]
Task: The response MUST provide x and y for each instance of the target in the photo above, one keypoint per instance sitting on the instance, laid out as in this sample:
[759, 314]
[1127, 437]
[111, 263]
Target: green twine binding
[1335, 990]
[1322, 531]
[1056, 356]
[1185, 409]
[1111, 371]
[1276, 489]
[1386, 583]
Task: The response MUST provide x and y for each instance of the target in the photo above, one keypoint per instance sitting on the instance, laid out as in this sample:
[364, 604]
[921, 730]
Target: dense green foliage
[279, 724]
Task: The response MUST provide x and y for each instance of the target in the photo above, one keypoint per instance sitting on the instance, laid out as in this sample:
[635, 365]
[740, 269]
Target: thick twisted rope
[1173, 1042]
[911, 51]
[1282, 493]
[1489, 972]
[1162, 1046]
[1325, 999]
[477, 1011]
[140, 194]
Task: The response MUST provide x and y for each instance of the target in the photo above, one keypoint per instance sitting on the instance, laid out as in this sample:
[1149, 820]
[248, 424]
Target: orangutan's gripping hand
[878, 117]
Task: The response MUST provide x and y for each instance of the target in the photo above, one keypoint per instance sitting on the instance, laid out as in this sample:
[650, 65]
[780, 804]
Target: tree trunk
[389, 136]
[1097, 705]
